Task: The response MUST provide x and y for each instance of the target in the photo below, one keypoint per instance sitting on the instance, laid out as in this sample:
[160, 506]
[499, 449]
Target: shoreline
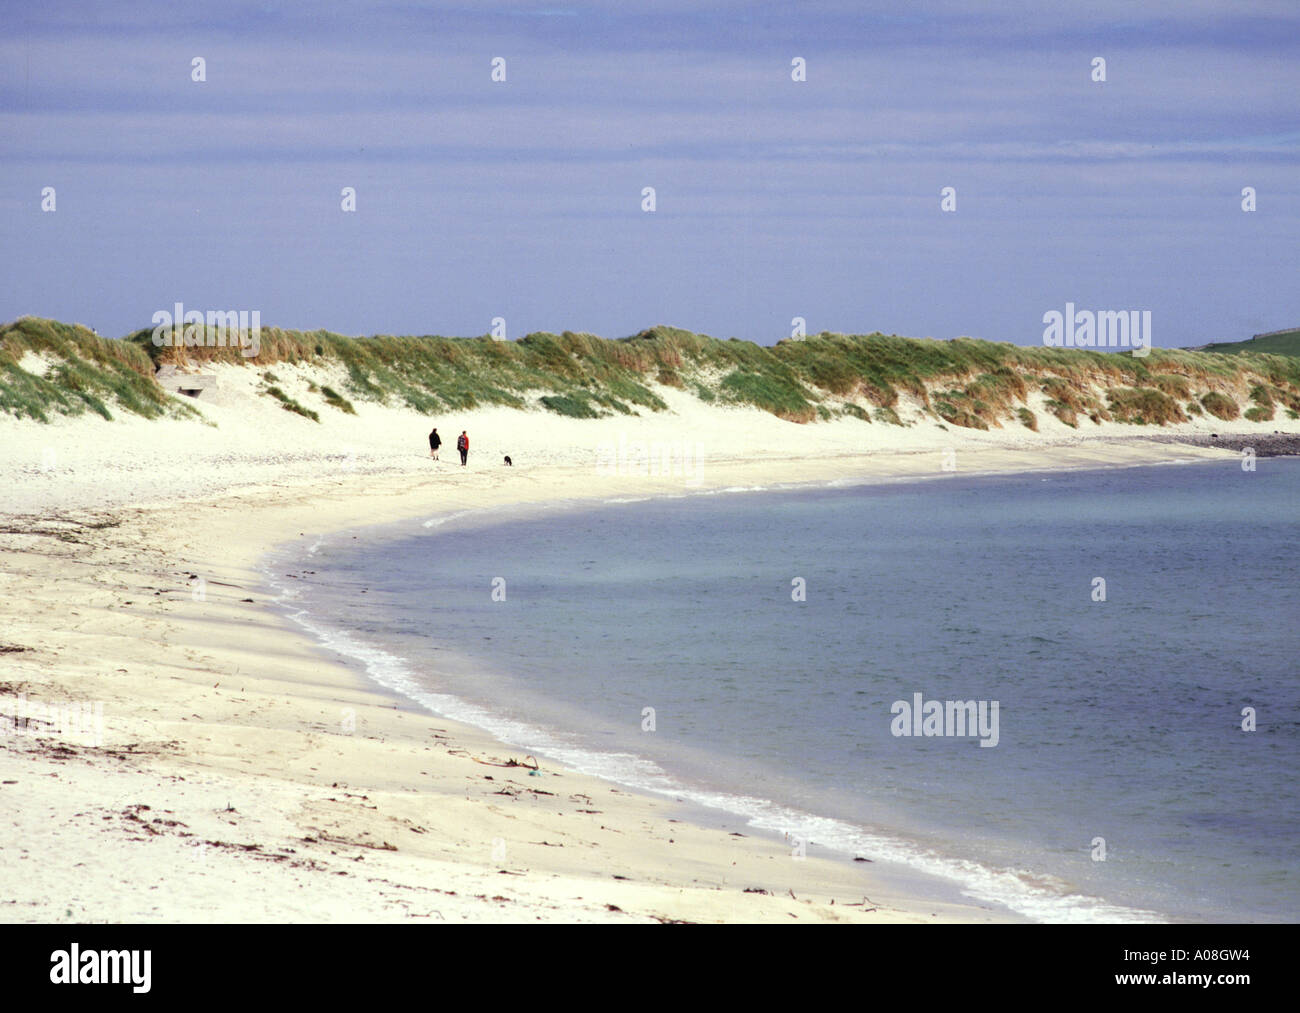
[228, 787]
[702, 801]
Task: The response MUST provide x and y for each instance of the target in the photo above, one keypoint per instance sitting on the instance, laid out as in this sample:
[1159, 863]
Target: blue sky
[775, 199]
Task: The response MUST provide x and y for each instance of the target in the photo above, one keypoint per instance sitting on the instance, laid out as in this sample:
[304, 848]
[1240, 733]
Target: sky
[523, 200]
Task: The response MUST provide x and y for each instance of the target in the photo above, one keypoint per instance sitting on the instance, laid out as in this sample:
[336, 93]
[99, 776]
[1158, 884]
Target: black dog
[509, 462]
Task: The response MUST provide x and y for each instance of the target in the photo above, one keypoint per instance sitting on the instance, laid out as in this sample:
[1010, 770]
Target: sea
[1071, 696]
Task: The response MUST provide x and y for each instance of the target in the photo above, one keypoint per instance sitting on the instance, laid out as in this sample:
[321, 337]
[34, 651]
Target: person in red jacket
[462, 444]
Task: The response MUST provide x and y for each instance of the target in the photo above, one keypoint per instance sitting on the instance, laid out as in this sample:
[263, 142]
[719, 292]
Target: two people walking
[462, 444]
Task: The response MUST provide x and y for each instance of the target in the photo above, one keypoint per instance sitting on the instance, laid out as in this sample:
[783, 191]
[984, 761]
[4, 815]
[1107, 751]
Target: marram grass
[876, 378]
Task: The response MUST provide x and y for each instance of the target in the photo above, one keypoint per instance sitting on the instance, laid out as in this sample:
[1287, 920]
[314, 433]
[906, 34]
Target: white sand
[228, 786]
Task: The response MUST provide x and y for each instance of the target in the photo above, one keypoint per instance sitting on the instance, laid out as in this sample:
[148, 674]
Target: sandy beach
[231, 770]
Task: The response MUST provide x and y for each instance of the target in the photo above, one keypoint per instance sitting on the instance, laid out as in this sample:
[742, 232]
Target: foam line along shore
[235, 757]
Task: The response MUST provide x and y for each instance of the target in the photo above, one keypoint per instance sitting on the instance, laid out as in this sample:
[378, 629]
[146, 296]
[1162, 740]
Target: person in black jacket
[435, 441]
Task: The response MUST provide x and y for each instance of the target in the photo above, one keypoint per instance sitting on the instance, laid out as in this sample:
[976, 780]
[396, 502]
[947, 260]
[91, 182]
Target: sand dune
[243, 774]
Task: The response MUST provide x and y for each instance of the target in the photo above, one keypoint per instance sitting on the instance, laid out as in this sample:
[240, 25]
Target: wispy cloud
[775, 198]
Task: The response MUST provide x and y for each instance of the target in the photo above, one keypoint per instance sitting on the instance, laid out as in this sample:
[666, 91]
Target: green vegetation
[1067, 399]
[778, 393]
[1174, 386]
[1143, 406]
[1280, 343]
[1220, 406]
[957, 407]
[1263, 409]
[290, 405]
[874, 377]
[1064, 412]
[576, 406]
[87, 373]
[337, 400]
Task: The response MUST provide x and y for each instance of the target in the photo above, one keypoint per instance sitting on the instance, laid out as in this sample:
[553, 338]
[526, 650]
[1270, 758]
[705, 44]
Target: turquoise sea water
[1118, 721]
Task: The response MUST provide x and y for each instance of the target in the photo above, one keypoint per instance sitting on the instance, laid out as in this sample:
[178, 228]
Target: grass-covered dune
[1273, 343]
[49, 368]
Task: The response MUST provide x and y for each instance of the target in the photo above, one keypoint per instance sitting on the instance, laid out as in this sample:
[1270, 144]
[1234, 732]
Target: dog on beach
[509, 462]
